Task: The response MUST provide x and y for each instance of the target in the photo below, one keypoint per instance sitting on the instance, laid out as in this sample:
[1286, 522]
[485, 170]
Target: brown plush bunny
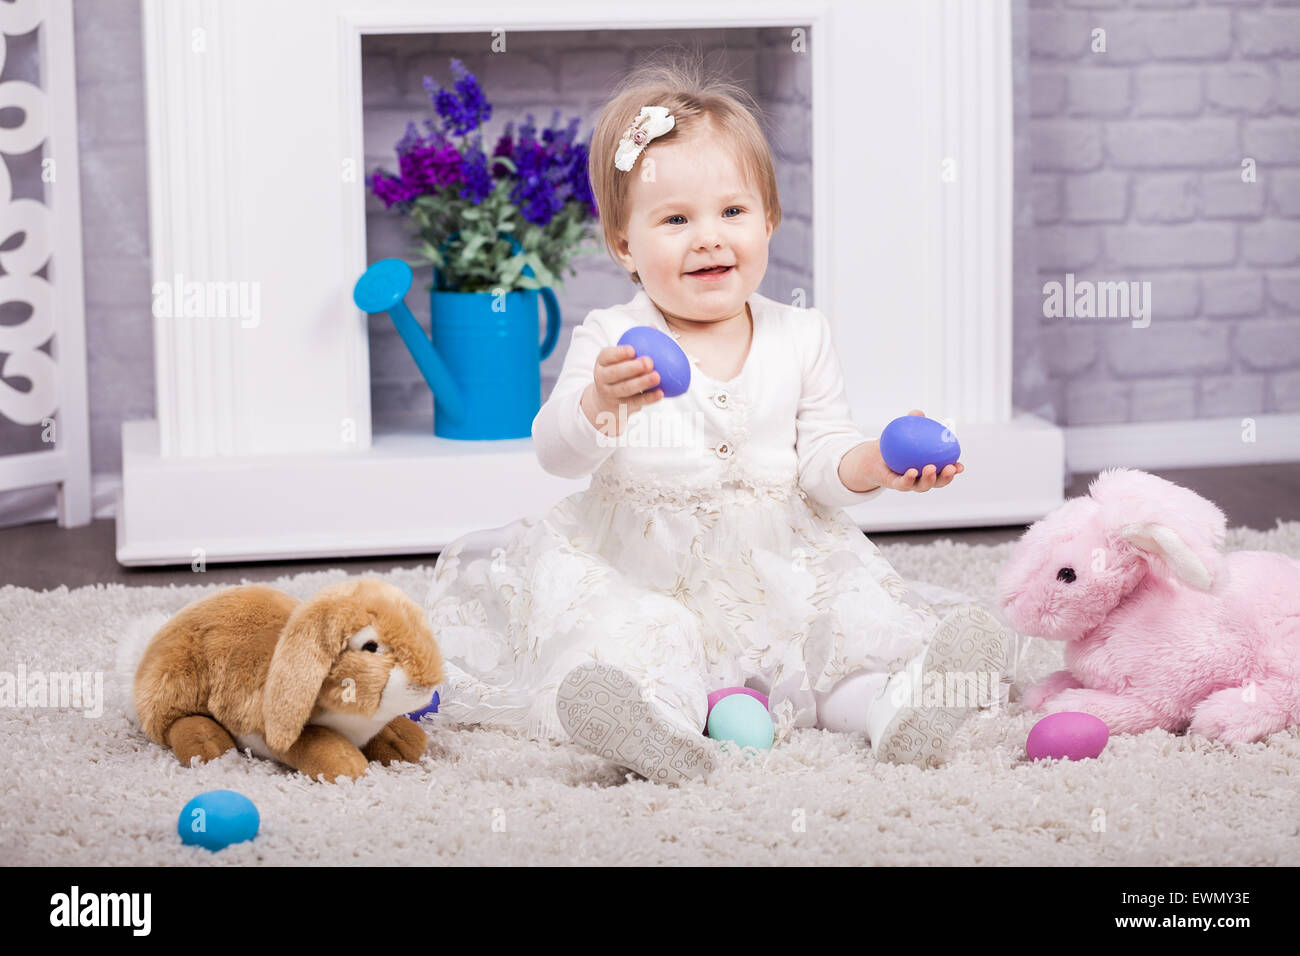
[321, 685]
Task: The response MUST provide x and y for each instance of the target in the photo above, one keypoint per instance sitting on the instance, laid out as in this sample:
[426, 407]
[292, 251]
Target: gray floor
[44, 556]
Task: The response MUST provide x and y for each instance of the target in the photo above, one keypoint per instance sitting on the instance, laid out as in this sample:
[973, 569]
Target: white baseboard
[41, 503]
[1195, 443]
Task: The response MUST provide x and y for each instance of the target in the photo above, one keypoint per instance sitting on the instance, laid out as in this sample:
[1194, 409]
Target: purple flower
[388, 188]
[427, 163]
[504, 147]
[579, 179]
[573, 158]
[550, 171]
[478, 181]
[467, 109]
[538, 174]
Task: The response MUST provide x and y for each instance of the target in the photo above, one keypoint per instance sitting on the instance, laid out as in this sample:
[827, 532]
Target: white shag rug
[94, 791]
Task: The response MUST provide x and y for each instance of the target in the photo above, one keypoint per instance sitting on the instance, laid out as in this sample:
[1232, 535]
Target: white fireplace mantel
[262, 447]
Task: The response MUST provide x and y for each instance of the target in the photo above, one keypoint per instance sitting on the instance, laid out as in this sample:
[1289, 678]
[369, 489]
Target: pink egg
[1069, 735]
[717, 695]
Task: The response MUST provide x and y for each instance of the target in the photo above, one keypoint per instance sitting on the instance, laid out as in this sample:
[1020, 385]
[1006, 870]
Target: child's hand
[911, 481]
[619, 378]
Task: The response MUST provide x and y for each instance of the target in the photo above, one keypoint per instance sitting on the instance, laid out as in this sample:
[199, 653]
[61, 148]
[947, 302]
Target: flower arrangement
[534, 189]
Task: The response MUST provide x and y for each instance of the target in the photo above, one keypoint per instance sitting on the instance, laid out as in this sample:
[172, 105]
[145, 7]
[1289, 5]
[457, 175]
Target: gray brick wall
[1136, 174]
[572, 70]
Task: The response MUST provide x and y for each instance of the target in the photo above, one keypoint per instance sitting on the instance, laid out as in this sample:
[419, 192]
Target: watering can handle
[552, 321]
[548, 296]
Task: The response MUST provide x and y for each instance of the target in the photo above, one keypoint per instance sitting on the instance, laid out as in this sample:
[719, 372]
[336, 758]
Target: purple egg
[914, 441]
[1069, 735]
[670, 361]
[431, 708]
[717, 695]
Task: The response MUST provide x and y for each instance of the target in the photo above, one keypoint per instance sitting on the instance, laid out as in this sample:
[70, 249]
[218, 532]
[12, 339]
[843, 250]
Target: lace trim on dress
[644, 493]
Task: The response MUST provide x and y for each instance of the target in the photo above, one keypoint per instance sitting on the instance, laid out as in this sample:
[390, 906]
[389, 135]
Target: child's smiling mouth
[712, 273]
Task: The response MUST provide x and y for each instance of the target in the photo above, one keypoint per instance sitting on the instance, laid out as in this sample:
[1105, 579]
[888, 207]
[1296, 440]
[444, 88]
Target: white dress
[710, 549]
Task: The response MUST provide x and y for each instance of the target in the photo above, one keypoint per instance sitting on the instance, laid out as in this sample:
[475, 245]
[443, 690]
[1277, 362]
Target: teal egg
[742, 720]
[217, 818]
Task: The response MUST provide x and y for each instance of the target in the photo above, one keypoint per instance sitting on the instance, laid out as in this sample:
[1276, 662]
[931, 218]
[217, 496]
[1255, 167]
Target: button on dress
[709, 550]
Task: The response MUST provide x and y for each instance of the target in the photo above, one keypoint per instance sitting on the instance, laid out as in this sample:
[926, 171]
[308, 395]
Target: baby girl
[710, 549]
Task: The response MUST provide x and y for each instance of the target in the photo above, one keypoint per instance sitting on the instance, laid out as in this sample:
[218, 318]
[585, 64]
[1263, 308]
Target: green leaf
[542, 274]
[431, 253]
[511, 269]
[472, 247]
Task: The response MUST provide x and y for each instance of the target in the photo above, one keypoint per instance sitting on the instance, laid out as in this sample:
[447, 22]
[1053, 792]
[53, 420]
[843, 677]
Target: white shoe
[603, 710]
[969, 640]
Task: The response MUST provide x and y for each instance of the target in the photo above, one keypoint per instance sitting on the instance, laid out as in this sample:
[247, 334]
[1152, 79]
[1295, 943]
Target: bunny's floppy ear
[313, 637]
[1164, 521]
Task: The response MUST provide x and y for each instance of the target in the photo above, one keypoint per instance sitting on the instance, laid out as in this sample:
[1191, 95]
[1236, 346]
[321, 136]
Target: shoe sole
[602, 709]
[969, 640]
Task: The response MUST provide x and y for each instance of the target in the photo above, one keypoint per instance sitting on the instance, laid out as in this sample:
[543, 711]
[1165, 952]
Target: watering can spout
[383, 288]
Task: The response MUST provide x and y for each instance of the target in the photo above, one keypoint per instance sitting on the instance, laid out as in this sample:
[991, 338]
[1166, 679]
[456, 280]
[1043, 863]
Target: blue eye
[739, 209]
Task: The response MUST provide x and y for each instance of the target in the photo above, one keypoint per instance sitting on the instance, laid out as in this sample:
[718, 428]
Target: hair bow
[653, 121]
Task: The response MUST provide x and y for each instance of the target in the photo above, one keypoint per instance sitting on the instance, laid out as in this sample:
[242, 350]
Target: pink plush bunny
[1162, 629]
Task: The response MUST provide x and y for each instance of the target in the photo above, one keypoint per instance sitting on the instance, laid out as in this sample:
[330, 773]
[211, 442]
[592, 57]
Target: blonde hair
[698, 102]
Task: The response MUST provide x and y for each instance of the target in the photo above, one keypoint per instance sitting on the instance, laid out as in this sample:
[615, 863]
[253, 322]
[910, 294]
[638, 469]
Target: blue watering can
[483, 363]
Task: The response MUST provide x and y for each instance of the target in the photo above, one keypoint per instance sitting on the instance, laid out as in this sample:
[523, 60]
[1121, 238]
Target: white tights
[845, 707]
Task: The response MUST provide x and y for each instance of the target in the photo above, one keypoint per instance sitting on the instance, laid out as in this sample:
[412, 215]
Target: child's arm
[824, 432]
[567, 443]
[574, 431]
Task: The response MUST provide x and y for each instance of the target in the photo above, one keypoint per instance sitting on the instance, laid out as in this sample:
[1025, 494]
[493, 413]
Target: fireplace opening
[572, 71]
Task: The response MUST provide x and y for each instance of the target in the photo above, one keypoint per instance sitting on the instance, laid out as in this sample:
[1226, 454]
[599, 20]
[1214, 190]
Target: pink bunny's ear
[1164, 521]
[1163, 542]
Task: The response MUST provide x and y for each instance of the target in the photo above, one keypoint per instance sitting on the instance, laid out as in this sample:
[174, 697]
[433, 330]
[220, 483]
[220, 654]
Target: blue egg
[217, 818]
[914, 441]
[742, 720]
[670, 361]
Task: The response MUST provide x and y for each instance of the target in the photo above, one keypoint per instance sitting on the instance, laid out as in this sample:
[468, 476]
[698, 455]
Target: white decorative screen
[42, 339]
